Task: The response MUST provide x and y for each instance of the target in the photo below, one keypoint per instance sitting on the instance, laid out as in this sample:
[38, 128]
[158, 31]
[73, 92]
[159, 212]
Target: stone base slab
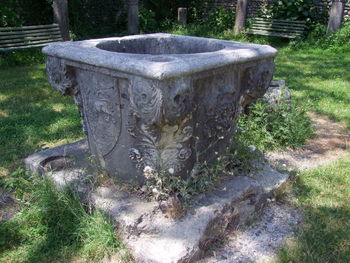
[151, 235]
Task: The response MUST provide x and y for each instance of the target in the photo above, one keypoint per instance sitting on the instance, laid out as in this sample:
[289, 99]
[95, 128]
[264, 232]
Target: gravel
[261, 240]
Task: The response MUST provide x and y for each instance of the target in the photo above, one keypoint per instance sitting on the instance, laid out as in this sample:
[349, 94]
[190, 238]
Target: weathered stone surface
[158, 100]
[182, 15]
[278, 93]
[150, 234]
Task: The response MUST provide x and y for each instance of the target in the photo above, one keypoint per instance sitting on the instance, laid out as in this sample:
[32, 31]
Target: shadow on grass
[323, 198]
[320, 79]
[32, 113]
[45, 231]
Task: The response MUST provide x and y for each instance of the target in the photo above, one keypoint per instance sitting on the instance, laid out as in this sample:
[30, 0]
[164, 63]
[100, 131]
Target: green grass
[55, 227]
[33, 116]
[274, 127]
[319, 79]
[323, 196]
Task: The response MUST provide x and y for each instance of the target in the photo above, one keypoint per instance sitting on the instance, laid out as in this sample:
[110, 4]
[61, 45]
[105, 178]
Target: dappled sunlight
[319, 79]
[3, 97]
[58, 107]
[4, 171]
[4, 114]
[322, 194]
[55, 143]
[32, 114]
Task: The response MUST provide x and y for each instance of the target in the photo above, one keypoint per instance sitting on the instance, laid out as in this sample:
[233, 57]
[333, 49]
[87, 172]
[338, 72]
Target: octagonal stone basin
[160, 101]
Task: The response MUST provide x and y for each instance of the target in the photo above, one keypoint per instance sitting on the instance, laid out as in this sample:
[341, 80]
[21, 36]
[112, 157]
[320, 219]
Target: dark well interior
[159, 46]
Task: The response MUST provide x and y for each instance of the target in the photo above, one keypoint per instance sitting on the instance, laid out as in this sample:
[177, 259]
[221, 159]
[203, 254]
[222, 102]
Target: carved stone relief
[162, 135]
[217, 108]
[166, 111]
[61, 77]
[255, 81]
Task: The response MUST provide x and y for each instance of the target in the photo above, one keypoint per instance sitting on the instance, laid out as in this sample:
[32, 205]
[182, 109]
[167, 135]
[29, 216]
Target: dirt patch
[8, 206]
[331, 142]
[259, 242]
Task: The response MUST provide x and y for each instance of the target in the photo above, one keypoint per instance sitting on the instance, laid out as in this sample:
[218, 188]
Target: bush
[25, 12]
[274, 128]
[8, 17]
[94, 18]
[148, 21]
[217, 20]
[304, 10]
[21, 57]
[319, 38]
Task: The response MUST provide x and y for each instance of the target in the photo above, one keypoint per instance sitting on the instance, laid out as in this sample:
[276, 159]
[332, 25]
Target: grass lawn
[33, 116]
[320, 80]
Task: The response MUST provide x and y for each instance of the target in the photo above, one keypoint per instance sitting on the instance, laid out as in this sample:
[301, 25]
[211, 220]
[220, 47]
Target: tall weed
[274, 128]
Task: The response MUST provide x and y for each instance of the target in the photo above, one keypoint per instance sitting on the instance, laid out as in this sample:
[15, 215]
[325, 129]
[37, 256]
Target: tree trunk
[241, 15]
[133, 16]
[335, 15]
[60, 17]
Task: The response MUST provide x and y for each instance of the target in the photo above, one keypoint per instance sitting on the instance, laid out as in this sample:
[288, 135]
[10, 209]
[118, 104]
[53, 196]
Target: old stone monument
[158, 100]
[161, 102]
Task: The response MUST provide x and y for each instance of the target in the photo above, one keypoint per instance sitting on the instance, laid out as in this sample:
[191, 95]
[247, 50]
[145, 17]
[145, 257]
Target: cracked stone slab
[149, 234]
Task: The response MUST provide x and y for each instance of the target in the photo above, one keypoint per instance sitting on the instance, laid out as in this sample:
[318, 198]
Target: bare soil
[331, 142]
[8, 206]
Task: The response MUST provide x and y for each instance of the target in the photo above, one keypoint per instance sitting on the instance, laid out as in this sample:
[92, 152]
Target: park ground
[46, 226]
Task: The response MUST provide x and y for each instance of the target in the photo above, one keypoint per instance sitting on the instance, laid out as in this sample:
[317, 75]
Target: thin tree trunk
[60, 17]
[241, 15]
[133, 16]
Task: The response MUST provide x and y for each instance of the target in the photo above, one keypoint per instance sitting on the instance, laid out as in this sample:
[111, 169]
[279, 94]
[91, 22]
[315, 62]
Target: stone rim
[163, 66]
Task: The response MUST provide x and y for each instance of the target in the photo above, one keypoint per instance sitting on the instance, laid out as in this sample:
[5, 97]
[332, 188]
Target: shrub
[94, 18]
[274, 128]
[221, 18]
[217, 20]
[319, 38]
[21, 57]
[148, 22]
[304, 10]
[8, 17]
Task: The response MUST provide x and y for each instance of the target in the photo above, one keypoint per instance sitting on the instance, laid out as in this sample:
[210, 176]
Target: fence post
[335, 15]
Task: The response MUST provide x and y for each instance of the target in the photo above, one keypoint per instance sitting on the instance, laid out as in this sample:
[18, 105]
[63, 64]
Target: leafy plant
[318, 37]
[8, 17]
[221, 18]
[215, 19]
[18, 182]
[273, 128]
[304, 10]
[238, 159]
[148, 22]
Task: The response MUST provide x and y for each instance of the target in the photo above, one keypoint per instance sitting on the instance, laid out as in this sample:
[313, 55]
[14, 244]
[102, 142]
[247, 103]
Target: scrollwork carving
[60, 76]
[220, 121]
[256, 80]
[149, 126]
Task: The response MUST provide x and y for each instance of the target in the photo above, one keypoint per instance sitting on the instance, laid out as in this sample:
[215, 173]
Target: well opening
[160, 46]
